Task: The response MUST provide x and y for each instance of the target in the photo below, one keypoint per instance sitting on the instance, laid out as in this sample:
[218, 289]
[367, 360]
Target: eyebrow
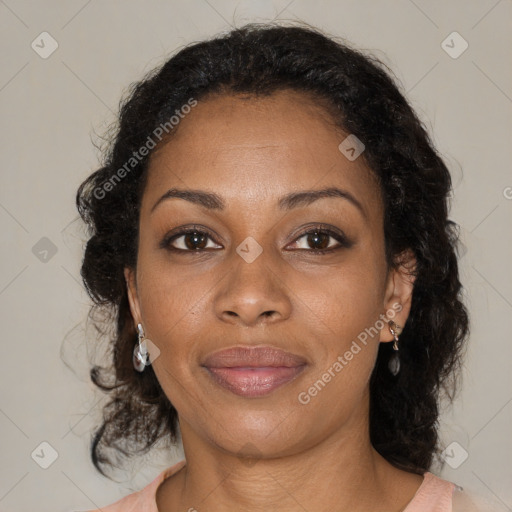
[212, 201]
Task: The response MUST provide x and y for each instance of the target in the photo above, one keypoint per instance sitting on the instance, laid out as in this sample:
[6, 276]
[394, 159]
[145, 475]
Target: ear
[133, 299]
[399, 290]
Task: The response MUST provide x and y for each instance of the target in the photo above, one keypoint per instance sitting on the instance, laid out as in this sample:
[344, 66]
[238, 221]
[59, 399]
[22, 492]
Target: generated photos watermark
[151, 142]
[342, 361]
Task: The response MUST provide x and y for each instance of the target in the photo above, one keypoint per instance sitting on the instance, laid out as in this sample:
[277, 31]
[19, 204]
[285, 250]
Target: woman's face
[253, 277]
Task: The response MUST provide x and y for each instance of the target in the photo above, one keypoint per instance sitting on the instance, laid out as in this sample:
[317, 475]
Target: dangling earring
[140, 351]
[394, 360]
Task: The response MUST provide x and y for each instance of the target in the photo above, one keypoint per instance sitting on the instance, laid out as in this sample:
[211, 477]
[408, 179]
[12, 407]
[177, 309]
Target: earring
[394, 360]
[140, 351]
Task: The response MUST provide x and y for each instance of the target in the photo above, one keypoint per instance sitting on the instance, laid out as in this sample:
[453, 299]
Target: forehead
[248, 149]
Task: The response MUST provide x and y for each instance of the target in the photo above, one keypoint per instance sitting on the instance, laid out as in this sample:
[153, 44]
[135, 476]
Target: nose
[253, 293]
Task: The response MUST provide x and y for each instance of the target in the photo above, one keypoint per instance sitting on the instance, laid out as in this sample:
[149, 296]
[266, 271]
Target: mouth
[253, 371]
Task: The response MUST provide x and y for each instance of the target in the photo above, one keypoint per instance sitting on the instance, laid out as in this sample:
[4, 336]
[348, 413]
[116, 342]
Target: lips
[253, 371]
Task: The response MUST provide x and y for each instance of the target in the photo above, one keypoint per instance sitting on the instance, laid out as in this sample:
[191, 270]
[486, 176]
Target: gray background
[51, 107]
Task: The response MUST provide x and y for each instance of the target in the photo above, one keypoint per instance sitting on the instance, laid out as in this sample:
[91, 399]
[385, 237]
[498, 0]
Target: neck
[341, 471]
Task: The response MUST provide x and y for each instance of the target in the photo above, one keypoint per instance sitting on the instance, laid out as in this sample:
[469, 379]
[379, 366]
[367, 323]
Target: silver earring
[140, 351]
[394, 360]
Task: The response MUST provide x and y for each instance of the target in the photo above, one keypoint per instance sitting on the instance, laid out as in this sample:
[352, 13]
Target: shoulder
[143, 500]
[464, 501]
[445, 496]
[434, 494]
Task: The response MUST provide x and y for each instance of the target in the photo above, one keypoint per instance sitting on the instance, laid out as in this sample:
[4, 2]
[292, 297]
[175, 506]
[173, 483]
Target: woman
[270, 228]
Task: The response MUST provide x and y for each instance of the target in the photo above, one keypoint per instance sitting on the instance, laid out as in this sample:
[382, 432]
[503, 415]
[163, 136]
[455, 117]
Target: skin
[270, 452]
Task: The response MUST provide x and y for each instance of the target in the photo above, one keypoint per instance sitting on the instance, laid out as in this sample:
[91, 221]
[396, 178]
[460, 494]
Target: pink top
[433, 495]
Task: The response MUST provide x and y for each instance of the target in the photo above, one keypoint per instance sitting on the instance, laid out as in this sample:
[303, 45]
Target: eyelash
[320, 229]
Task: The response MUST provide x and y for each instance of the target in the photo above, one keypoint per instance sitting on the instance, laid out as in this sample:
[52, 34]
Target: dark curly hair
[361, 96]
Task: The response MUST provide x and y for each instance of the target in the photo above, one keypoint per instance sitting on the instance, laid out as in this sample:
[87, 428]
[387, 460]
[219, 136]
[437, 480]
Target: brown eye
[192, 240]
[318, 240]
[195, 240]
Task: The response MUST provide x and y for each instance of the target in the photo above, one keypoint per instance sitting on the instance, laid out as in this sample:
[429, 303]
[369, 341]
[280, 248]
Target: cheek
[345, 299]
[334, 302]
[174, 303]
[346, 319]
[172, 309]
[333, 307]
[169, 293]
[341, 323]
[340, 312]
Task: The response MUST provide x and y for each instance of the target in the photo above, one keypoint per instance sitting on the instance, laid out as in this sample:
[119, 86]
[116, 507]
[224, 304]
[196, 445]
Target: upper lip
[253, 357]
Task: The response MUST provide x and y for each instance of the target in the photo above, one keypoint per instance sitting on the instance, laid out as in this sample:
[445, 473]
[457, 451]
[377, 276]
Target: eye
[321, 240]
[316, 240]
[189, 240]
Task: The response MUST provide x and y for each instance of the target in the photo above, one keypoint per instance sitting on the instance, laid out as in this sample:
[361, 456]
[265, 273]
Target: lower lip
[254, 382]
